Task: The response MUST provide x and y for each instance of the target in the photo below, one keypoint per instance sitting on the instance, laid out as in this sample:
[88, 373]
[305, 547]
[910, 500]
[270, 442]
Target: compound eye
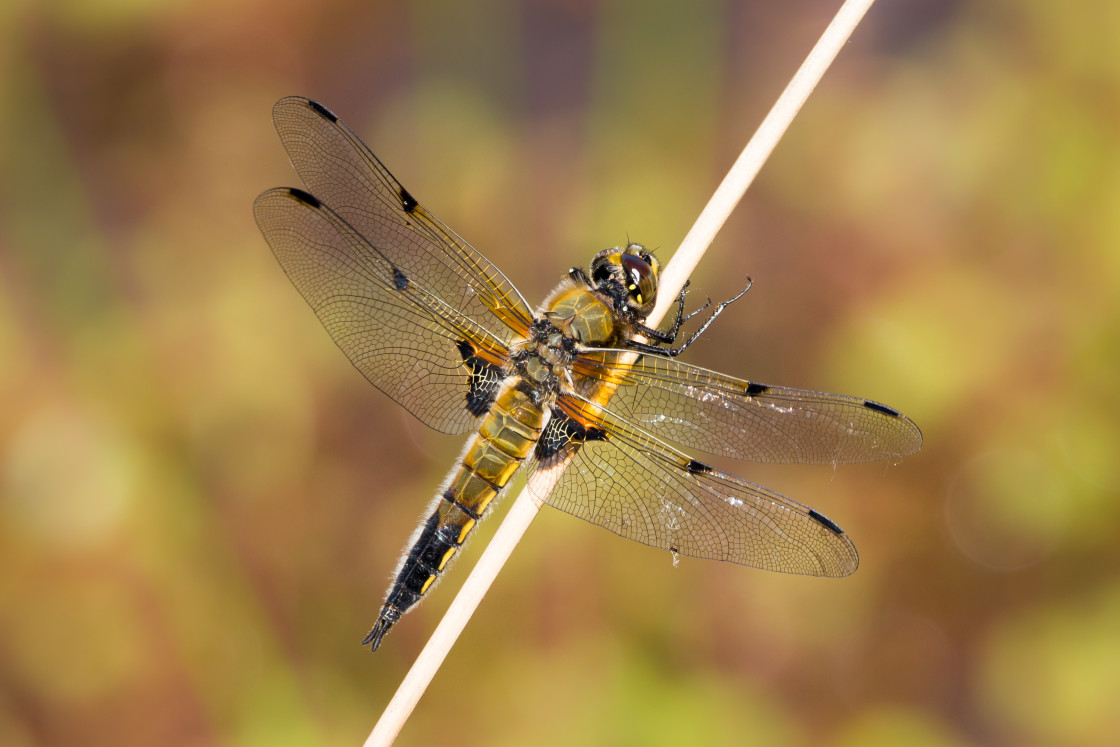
[640, 278]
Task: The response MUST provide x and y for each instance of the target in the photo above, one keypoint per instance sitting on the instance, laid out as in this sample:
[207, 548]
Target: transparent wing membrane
[704, 410]
[402, 337]
[631, 483]
[338, 168]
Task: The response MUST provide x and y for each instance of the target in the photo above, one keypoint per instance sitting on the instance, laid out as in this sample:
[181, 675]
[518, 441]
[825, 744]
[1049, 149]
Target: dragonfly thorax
[584, 316]
[542, 359]
[574, 315]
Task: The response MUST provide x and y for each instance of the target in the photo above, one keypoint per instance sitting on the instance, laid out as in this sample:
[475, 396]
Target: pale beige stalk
[676, 272]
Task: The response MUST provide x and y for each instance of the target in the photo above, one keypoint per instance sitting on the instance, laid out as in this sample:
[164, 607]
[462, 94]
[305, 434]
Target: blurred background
[201, 501]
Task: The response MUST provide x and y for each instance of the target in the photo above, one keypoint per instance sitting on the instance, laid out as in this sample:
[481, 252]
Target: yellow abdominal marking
[428, 583]
[467, 527]
[446, 557]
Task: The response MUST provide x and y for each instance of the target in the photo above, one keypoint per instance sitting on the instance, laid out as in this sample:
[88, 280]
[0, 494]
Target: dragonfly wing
[442, 366]
[338, 168]
[701, 409]
[629, 482]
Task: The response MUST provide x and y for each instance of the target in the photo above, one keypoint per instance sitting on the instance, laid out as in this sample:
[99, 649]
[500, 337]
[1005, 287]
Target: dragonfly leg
[668, 338]
[671, 336]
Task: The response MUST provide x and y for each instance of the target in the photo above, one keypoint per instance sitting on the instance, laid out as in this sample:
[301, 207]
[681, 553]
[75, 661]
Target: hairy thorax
[572, 317]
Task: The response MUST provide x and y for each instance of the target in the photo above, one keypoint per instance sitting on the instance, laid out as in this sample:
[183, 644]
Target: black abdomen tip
[373, 640]
[388, 618]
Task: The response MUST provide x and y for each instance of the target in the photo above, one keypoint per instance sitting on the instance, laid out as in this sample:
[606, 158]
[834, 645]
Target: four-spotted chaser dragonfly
[437, 327]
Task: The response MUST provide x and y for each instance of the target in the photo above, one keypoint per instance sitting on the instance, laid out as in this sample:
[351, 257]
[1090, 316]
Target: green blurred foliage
[200, 500]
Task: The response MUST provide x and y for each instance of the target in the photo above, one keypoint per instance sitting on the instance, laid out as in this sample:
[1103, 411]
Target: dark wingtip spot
[322, 111]
[881, 408]
[753, 389]
[305, 197]
[824, 521]
[408, 202]
[696, 468]
[400, 280]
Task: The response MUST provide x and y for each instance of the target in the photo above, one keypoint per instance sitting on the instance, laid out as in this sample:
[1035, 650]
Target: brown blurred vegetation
[201, 501]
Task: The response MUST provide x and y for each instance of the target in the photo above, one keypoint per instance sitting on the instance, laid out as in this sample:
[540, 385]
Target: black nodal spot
[408, 202]
[890, 411]
[753, 389]
[305, 197]
[825, 522]
[322, 111]
[400, 280]
[697, 468]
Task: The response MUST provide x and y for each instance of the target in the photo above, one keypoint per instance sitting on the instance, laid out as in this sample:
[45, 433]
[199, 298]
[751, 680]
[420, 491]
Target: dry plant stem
[676, 272]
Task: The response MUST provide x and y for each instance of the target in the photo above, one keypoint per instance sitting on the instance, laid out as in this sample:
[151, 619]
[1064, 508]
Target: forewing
[701, 409]
[338, 168]
[629, 482]
[403, 337]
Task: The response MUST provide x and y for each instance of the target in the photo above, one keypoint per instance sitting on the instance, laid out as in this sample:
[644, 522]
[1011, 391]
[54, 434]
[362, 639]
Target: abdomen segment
[507, 435]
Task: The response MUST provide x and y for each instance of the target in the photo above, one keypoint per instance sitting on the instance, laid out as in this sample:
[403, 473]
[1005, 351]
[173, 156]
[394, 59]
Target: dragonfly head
[629, 276]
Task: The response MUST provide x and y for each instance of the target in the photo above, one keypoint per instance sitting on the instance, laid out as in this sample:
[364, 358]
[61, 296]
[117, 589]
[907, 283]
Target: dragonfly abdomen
[507, 435]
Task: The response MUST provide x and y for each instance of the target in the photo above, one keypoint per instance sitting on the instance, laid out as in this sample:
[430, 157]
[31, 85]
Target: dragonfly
[580, 381]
